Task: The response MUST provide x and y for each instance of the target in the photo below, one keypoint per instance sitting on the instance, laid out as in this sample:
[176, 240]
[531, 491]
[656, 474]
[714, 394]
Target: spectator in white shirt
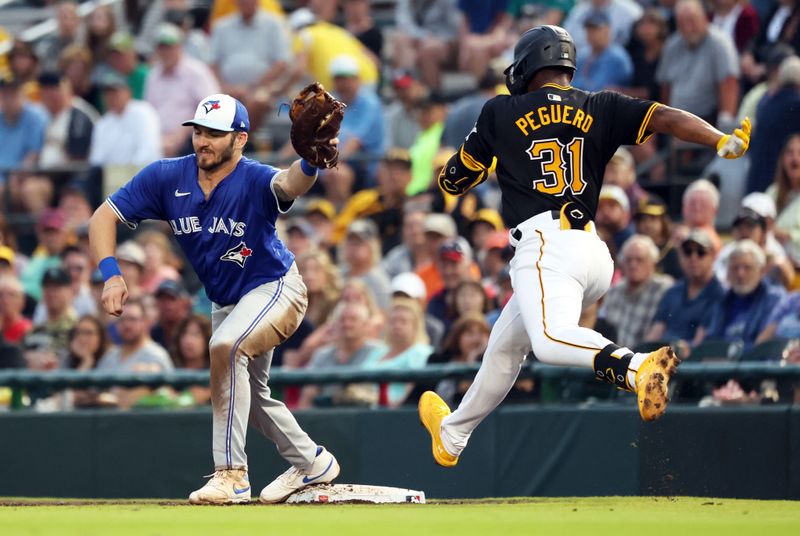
[175, 84]
[69, 133]
[129, 132]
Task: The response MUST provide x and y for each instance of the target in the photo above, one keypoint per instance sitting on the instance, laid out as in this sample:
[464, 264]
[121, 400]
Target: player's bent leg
[324, 469]
[310, 463]
[551, 309]
[264, 317]
[550, 302]
[553, 274]
[508, 345]
[227, 486]
[274, 420]
[646, 374]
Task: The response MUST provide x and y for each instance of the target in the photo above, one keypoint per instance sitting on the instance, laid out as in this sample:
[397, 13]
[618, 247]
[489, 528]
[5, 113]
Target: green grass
[595, 516]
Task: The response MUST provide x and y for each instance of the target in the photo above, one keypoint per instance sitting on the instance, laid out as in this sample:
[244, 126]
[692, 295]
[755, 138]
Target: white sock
[446, 443]
[633, 368]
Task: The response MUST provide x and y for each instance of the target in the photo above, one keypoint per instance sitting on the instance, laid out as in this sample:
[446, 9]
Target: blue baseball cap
[220, 112]
[597, 18]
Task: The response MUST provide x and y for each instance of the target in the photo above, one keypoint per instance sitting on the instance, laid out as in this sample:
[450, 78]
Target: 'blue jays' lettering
[191, 224]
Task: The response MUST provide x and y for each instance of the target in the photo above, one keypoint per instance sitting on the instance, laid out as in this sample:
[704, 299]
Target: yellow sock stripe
[544, 319]
[645, 122]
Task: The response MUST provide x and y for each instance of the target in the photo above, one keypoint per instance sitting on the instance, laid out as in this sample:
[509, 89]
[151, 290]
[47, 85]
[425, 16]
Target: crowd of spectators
[399, 274]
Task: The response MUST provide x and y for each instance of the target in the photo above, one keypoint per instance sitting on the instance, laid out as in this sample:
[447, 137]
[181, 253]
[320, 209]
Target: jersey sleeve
[272, 205]
[627, 118]
[140, 198]
[474, 161]
[476, 152]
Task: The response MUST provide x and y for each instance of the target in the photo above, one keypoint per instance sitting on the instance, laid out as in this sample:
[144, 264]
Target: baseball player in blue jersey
[222, 208]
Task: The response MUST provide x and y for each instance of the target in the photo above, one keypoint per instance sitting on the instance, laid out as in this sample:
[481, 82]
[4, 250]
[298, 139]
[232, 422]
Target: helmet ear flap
[509, 72]
[515, 75]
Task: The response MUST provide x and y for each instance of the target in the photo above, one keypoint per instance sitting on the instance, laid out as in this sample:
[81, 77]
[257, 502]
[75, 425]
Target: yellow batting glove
[735, 145]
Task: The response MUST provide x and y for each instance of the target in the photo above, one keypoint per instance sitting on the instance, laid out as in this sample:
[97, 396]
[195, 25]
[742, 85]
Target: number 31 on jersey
[562, 165]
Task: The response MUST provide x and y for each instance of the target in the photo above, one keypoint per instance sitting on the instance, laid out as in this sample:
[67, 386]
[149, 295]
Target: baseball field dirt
[597, 516]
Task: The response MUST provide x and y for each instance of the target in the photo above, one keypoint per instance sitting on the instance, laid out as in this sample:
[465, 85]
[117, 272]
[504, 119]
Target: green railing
[278, 378]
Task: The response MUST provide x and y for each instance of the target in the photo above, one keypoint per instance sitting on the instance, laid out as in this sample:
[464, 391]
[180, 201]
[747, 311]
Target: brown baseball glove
[316, 116]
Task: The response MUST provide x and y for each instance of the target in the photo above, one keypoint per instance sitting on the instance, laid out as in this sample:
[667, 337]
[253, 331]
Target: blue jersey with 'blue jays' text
[229, 238]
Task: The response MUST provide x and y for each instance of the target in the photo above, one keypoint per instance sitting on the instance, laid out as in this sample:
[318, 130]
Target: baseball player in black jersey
[549, 144]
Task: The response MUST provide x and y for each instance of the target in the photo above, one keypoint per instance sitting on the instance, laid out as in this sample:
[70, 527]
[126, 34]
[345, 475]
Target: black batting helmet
[539, 47]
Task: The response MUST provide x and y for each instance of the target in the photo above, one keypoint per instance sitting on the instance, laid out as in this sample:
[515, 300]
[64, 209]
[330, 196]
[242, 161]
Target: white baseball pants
[554, 273]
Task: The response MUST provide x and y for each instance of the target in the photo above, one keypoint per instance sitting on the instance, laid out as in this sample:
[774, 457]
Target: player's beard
[225, 156]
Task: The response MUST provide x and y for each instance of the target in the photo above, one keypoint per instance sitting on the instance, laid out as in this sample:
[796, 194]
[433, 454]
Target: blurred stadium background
[404, 281]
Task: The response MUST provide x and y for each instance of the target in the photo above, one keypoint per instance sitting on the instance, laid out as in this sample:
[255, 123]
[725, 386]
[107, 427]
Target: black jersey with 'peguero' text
[552, 145]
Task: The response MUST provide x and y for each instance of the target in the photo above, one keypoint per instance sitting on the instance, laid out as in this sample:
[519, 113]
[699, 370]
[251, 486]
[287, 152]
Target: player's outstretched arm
[103, 243]
[291, 183]
[688, 127]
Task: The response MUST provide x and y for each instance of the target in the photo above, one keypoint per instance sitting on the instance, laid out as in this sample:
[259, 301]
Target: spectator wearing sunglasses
[684, 305]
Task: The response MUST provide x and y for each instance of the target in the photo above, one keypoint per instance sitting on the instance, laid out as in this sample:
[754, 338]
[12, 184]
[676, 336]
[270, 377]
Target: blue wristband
[109, 268]
[307, 168]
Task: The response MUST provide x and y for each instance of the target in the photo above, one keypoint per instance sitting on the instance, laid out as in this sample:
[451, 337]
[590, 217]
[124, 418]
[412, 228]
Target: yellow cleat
[652, 382]
[432, 409]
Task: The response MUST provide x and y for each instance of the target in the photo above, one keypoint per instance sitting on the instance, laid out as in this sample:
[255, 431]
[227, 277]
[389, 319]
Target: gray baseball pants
[243, 338]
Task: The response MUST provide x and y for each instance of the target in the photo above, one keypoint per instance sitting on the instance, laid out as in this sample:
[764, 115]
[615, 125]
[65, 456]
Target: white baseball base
[355, 493]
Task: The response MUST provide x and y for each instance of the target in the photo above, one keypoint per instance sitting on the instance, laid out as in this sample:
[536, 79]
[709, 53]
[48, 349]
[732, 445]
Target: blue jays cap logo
[238, 254]
[220, 112]
[210, 105]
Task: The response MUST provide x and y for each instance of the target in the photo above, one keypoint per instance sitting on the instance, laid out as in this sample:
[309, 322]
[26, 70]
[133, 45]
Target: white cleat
[227, 486]
[325, 469]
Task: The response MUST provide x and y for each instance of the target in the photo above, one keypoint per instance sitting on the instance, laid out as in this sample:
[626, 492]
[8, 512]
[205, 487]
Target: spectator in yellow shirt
[317, 43]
